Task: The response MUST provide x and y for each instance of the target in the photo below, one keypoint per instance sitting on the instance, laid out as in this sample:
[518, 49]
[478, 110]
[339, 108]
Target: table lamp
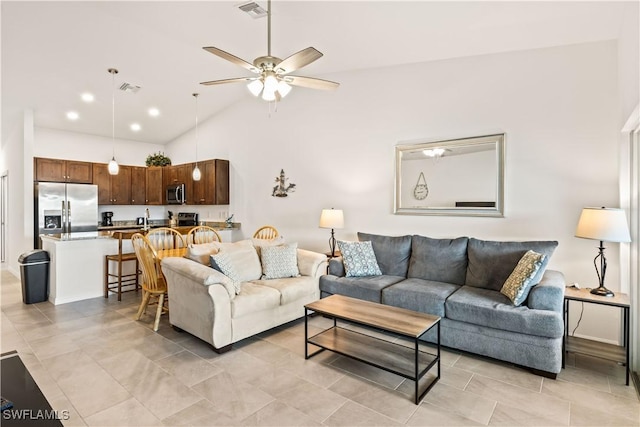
[605, 225]
[332, 218]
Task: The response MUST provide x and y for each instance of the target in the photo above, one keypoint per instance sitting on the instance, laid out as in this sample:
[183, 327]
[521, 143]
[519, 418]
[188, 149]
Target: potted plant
[158, 159]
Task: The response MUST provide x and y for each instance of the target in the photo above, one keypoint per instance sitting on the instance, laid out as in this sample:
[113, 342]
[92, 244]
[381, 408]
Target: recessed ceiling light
[135, 127]
[154, 112]
[72, 115]
[87, 97]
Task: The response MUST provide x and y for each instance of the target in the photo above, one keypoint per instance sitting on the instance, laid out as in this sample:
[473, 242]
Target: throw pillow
[520, 281]
[280, 261]
[244, 259]
[223, 263]
[359, 259]
[201, 253]
[261, 243]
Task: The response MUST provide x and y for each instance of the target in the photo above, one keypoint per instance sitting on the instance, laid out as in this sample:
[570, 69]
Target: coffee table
[409, 362]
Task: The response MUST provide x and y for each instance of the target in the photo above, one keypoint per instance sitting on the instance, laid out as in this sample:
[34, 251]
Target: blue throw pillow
[520, 281]
[359, 259]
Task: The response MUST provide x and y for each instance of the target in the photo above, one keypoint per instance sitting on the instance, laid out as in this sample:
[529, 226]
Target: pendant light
[113, 165]
[196, 171]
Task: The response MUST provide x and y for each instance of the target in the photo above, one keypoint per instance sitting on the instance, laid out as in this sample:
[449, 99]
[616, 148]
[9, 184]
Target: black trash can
[34, 273]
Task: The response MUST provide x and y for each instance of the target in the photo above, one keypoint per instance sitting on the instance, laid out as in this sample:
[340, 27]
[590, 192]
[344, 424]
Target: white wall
[559, 108]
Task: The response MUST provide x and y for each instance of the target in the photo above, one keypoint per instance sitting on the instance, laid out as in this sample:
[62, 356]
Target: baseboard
[590, 338]
[635, 380]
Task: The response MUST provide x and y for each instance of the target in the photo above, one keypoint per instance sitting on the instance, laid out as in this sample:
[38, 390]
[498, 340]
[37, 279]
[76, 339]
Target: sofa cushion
[254, 298]
[519, 282]
[439, 260]
[392, 253]
[261, 243]
[366, 288]
[280, 261]
[491, 263]
[292, 288]
[359, 259]
[420, 295]
[489, 308]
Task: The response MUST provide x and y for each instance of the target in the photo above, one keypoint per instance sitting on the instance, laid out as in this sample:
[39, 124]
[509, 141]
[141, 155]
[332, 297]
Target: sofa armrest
[311, 263]
[199, 299]
[336, 267]
[549, 293]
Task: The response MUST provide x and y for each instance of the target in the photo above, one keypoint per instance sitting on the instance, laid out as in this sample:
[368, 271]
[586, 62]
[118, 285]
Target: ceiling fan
[274, 81]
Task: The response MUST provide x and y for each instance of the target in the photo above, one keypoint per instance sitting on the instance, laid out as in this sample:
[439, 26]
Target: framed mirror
[452, 177]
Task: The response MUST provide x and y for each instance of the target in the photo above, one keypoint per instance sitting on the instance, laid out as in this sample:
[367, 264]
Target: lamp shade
[331, 218]
[604, 224]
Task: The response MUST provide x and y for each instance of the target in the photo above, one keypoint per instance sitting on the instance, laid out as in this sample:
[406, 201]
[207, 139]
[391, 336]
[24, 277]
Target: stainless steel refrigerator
[64, 208]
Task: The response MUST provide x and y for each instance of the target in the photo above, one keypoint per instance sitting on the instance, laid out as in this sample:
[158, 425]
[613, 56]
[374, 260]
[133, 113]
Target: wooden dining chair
[202, 234]
[266, 232]
[165, 238]
[154, 284]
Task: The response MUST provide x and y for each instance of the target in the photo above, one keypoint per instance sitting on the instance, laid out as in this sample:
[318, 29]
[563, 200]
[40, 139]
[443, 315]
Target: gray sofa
[460, 281]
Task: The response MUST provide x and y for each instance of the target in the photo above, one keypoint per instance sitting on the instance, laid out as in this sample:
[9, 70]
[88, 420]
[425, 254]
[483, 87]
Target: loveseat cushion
[365, 288]
[253, 298]
[439, 260]
[491, 263]
[489, 308]
[292, 288]
[392, 252]
[425, 296]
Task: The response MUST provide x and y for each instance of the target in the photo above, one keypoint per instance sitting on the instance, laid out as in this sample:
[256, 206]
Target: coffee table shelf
[382, 354]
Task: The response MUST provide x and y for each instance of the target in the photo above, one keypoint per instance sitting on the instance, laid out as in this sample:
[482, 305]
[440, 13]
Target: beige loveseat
[210, 306]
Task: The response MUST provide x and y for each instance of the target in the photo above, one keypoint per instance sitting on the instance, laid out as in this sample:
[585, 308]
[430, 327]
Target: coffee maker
[106, 219]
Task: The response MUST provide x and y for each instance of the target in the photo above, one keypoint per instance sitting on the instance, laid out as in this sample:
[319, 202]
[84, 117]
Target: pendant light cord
[196, 96]
[269, 28]
[113, 72]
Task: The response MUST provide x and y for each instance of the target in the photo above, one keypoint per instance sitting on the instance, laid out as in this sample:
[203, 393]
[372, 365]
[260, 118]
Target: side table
[583, 295]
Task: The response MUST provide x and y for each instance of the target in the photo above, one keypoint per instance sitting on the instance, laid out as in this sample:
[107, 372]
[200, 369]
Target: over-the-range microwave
[176, 194]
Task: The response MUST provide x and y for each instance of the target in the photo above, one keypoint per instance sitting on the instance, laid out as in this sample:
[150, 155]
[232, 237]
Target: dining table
[175, 252]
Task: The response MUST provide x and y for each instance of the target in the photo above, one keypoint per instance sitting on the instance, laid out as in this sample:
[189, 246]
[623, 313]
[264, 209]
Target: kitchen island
[77, 261]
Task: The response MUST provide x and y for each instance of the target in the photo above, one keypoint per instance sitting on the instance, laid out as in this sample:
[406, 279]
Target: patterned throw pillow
[359, 259]
[520, 281]
[223, 262]
[280, 261]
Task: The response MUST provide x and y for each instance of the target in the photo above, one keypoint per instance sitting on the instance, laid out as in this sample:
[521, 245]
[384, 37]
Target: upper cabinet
[154, 186]
[56, 170]
[139, 185]
[113, 189]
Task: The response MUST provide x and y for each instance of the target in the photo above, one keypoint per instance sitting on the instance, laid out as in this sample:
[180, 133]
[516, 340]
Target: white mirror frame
[400, 208]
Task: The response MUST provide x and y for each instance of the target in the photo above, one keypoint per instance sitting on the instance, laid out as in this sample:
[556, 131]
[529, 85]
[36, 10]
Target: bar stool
[113, 282]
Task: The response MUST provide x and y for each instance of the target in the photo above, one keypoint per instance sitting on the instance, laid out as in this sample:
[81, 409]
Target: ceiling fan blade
[298, 60]
[221, 82]
[311, 82]
[232, 58]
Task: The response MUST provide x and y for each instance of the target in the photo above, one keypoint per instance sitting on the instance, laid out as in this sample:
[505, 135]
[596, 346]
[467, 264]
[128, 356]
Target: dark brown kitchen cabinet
[222, 182]
[112, 189]
[155, 186]
[56, 170]
[138, 185]
[213, 187]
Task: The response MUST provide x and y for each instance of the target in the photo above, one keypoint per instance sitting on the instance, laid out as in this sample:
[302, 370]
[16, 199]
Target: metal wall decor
[281, 189]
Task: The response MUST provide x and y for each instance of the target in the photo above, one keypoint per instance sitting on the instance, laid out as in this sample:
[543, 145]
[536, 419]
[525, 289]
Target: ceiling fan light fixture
[283, 88]
[270, 82]
[268, 95]
[255, 87]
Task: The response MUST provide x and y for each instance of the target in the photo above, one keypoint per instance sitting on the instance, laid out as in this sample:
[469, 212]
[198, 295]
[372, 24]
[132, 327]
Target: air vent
[253, 9]
[128, 87]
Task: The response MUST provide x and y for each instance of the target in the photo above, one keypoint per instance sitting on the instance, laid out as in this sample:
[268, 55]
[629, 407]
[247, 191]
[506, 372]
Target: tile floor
[92, 359]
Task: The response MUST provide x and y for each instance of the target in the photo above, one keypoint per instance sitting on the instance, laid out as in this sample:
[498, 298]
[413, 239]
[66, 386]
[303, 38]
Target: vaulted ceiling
[52, 52]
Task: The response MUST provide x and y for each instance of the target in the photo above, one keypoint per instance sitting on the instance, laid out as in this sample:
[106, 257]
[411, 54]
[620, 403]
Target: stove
[187, 218]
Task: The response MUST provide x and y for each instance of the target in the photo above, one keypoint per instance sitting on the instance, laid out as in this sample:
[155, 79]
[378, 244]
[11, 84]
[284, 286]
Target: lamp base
[602, 291]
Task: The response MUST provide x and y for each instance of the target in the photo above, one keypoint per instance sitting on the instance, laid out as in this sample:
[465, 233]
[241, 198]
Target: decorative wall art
[281, 189]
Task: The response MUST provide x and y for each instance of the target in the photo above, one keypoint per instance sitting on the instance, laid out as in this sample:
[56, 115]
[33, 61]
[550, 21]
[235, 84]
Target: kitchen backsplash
[130, 213]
